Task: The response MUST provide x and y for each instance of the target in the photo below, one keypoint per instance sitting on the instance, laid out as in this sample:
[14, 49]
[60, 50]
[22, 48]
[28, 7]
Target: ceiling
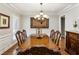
[26, 8]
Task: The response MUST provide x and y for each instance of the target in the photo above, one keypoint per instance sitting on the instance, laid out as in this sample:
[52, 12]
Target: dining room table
[39, 41]
[34, 40]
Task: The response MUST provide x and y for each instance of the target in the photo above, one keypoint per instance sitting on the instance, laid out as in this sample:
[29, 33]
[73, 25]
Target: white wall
[53, 24]
[19, 22]
[6, 35]
[71, 16]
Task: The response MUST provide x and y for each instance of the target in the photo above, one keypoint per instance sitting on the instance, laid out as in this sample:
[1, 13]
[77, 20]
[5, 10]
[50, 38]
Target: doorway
[63, 25]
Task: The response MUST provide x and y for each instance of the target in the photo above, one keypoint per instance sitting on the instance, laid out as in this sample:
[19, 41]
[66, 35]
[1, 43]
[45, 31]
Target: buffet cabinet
[72, 42]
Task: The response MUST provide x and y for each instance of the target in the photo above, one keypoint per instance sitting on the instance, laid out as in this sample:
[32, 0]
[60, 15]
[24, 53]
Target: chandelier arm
[41, 16]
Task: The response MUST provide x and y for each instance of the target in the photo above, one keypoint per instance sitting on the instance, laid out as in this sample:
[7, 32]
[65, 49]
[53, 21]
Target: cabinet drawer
[72, 36]
[73, 41]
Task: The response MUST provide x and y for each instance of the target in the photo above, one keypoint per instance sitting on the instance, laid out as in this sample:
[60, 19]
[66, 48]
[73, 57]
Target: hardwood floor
[62, 46]
[10, 51]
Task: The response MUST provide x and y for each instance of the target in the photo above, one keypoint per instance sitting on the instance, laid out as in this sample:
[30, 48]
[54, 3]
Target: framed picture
[39, 23]
[4, 21]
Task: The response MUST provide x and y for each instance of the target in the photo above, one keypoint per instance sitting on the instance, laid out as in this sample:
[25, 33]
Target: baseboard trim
[4, 50]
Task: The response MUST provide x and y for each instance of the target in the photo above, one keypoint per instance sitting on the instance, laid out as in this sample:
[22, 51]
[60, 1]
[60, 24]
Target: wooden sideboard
[72, 42]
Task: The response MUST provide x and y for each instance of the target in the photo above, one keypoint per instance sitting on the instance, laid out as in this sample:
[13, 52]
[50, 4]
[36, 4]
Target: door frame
[62, 28]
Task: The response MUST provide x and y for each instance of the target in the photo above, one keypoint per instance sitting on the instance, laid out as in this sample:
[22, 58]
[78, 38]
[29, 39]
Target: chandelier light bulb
[39, 18]
[42, 18]
[45, 16]
[41, 13]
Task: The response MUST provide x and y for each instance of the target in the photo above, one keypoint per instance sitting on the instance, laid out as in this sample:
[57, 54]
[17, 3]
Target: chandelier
[41, 16]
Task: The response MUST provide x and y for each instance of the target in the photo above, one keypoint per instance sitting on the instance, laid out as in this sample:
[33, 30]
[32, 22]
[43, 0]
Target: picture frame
[39, 23]
[4, 21]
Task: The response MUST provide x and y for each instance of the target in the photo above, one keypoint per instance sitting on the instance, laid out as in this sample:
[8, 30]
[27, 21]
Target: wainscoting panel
[5, 41]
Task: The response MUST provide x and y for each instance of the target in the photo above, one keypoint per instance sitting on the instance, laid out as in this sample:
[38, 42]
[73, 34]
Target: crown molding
[16, 10]
[68, 8]
[11, 7]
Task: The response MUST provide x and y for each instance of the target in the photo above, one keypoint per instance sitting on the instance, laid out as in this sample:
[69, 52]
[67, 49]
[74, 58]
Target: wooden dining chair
[52, 35]
[19, 37]
[57, 37]
[24, 35]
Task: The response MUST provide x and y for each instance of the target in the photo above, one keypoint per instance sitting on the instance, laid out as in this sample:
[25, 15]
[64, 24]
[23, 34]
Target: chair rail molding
[4, 36]
[4, 39]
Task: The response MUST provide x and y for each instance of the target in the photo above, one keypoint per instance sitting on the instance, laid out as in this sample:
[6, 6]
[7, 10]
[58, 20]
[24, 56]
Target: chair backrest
[57, 37]
[19, 37]
[52, 33]
[24, 34]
